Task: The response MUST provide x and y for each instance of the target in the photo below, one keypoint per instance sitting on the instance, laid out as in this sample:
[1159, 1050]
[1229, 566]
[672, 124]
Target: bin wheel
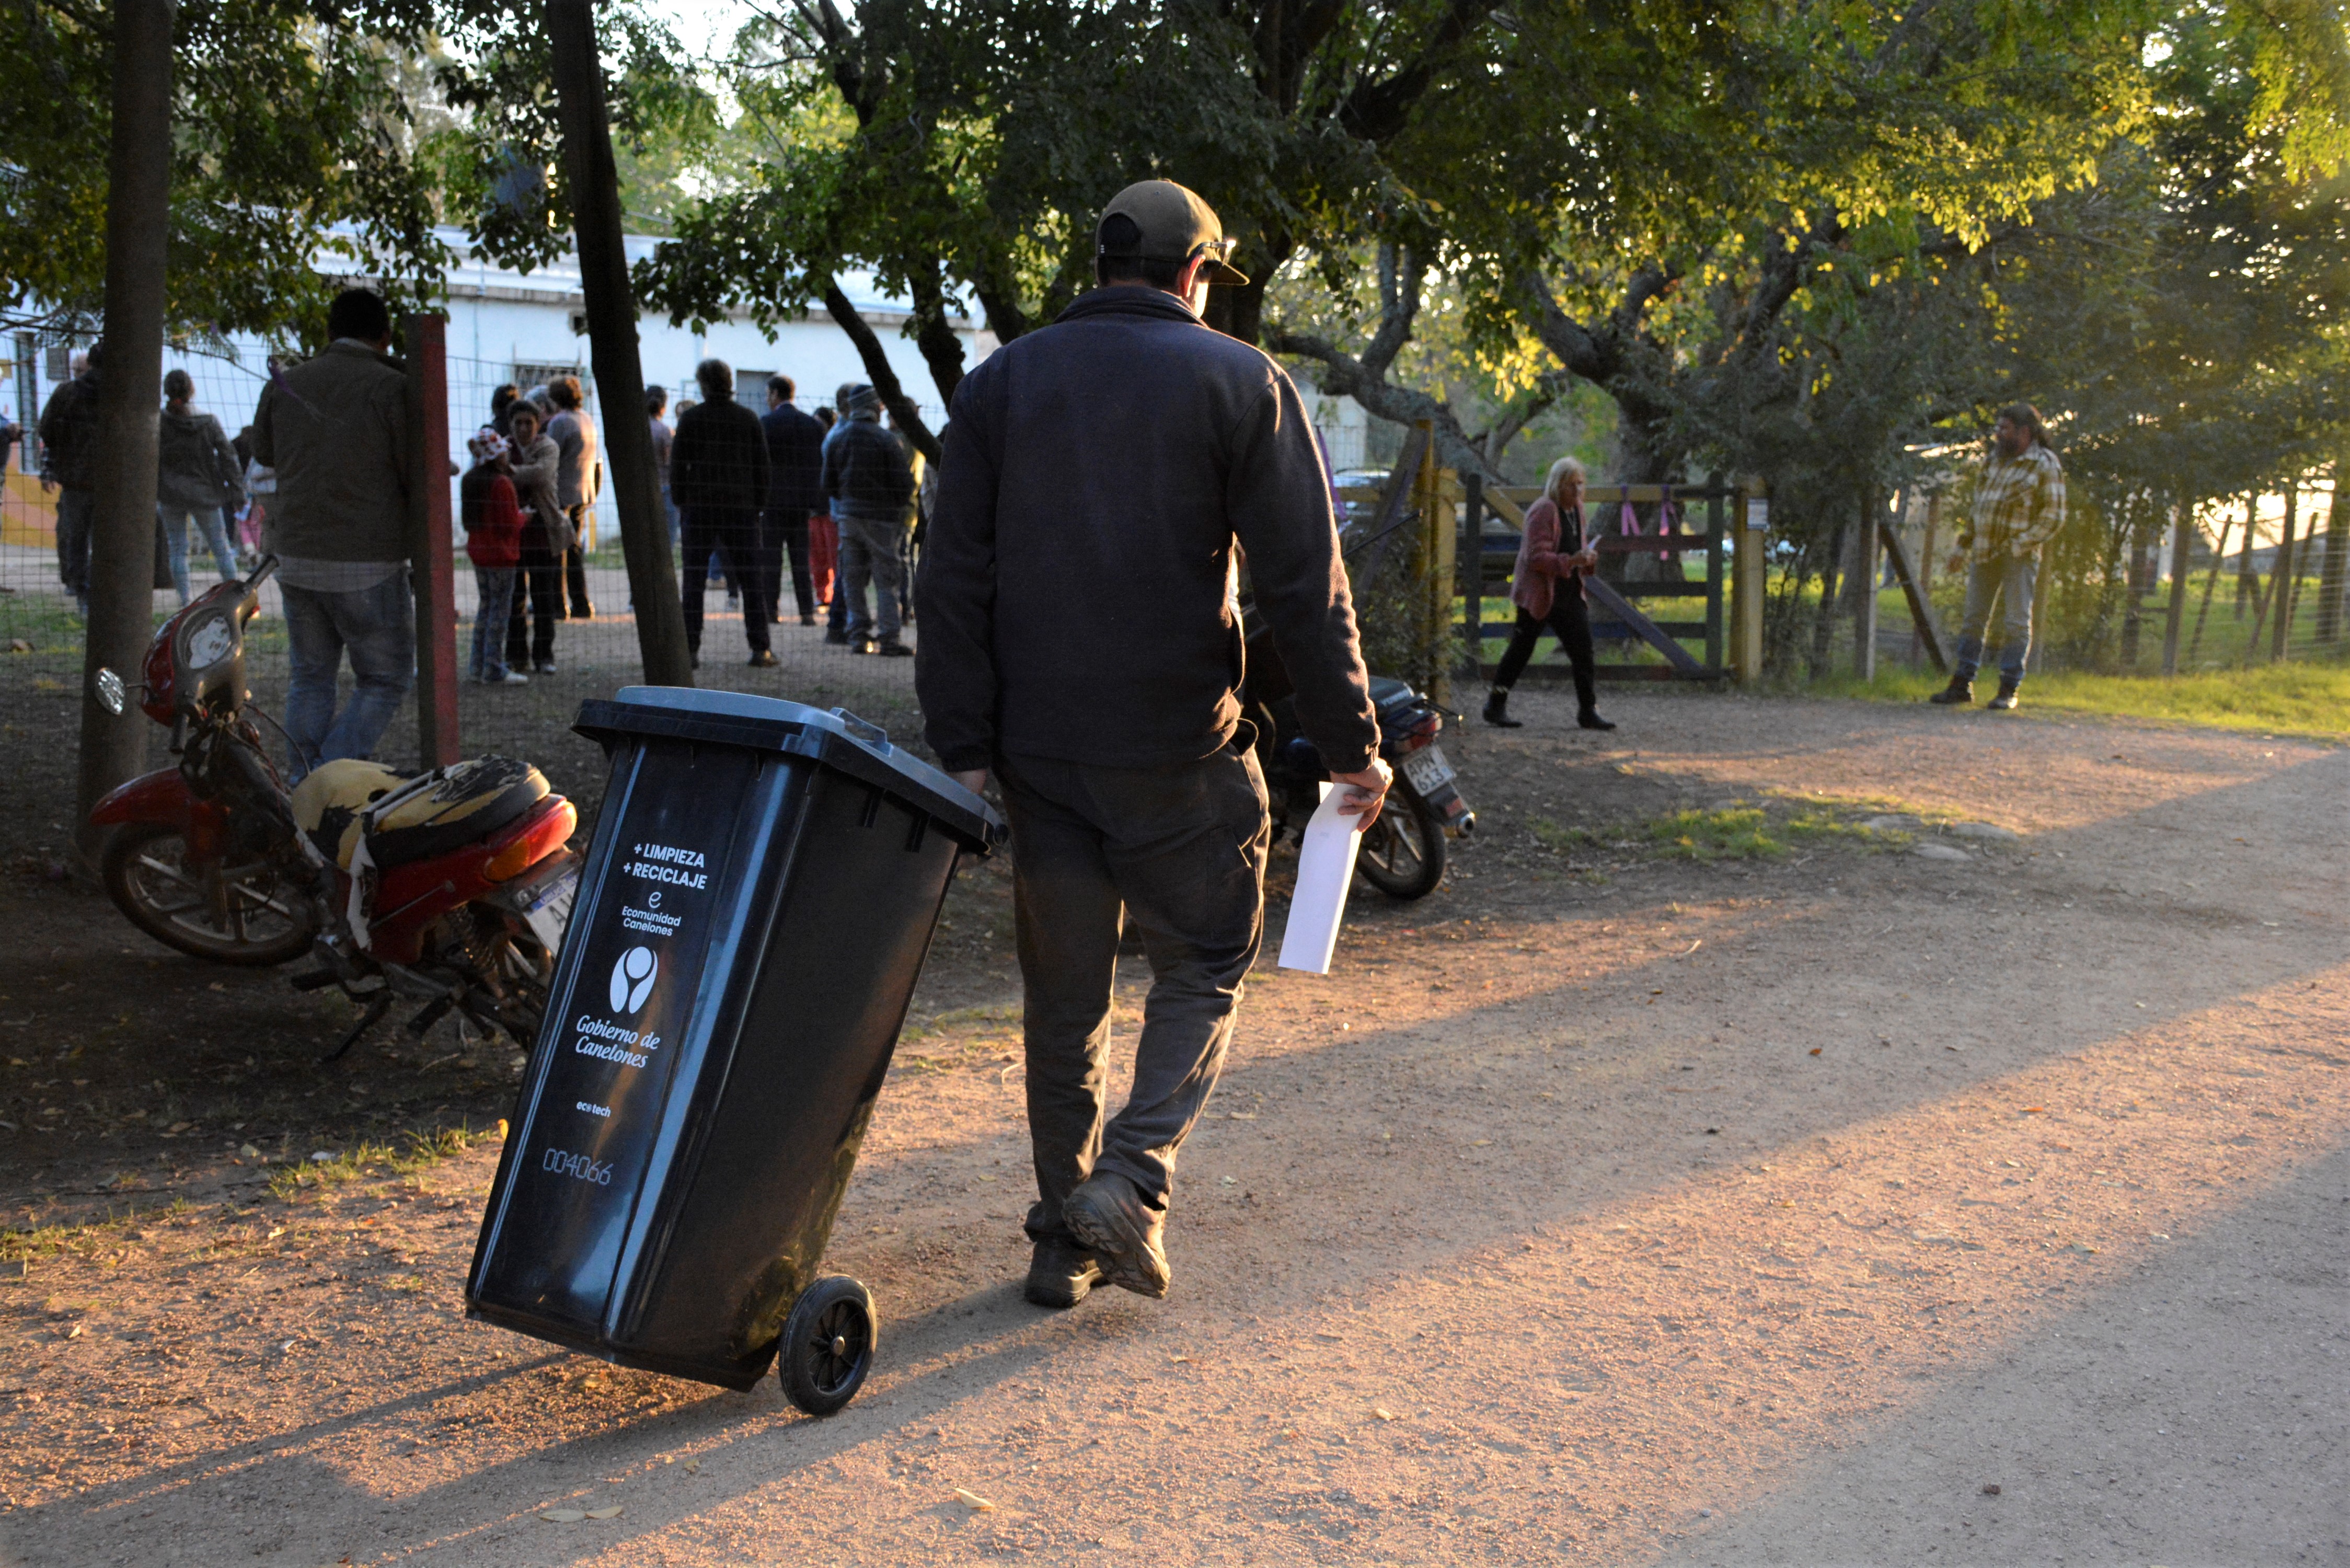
[827, 1345]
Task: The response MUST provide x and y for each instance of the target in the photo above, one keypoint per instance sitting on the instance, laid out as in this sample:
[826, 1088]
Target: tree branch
[1548, 387]
[1569, 341]
[878, 371]
[1349, 377]
[998, 302]
[933, 334]
[1377, 111]
[1401, 271]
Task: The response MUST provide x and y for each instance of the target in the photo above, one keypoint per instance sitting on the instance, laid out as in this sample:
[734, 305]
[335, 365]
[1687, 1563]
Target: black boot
[1956, 694]
[1061, 1274]
[1589, 718]
[1497, 710]
[1125, 1235]
[2008, 686]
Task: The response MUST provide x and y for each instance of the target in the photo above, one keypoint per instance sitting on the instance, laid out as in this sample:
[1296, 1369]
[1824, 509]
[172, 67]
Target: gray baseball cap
[1176, 226]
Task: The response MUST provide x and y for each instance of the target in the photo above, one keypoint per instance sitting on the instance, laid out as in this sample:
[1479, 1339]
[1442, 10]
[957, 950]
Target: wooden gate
[1663, 513]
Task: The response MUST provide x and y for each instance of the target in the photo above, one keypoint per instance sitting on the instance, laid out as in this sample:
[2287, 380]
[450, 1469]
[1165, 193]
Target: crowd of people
[828, 502]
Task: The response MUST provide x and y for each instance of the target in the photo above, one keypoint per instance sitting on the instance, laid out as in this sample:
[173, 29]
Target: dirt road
[1864, 1205]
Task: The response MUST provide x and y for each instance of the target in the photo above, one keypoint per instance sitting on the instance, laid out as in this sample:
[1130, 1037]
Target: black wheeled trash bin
[755, 905]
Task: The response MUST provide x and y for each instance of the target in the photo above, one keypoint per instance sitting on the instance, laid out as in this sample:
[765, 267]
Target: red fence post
[430, 549]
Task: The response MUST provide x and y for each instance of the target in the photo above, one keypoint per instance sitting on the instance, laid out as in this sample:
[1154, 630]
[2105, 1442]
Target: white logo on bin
[632, 979]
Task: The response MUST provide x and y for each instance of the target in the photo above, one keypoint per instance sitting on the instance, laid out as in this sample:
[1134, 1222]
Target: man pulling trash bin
[1081, 639]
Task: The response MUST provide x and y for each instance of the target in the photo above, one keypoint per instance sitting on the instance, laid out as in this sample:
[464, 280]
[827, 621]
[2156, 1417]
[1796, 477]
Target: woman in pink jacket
[1547, 588]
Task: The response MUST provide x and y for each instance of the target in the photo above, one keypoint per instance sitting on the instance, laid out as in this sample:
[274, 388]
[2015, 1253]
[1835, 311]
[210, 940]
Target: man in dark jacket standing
[795, 489]
[68, 449]
[868, 473]
[1081, 638]
[718, 471]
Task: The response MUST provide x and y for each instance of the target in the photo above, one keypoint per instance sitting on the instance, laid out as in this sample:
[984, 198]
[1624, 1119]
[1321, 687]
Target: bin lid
[839, 739]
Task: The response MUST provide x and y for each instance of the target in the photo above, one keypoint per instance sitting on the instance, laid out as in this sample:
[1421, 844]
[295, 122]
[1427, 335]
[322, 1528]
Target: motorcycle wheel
[1402, 854]
[147, 876]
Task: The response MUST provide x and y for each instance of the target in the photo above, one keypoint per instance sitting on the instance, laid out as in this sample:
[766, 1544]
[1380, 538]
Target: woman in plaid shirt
[2018, 508]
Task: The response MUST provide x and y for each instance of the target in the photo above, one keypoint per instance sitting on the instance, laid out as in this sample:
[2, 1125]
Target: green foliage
[500, 164]
[292, 141]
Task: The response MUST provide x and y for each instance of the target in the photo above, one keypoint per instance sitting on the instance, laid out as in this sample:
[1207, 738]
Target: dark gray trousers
[1181, 850]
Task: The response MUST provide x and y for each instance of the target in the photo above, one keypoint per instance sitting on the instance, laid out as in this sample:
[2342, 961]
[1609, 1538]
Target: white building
[511, 326]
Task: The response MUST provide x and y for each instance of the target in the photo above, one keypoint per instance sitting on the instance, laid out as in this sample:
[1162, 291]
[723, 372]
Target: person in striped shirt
[2019, 507]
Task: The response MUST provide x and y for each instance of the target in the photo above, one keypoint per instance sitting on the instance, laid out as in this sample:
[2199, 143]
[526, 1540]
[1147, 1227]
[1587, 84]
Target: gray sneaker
[1127, 1235]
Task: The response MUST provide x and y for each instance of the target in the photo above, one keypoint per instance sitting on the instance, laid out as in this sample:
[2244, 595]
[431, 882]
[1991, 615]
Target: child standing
[494, 544]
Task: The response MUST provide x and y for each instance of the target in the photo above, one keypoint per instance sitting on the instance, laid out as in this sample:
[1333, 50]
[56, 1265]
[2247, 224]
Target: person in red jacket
[493, 521]
[1554, 557]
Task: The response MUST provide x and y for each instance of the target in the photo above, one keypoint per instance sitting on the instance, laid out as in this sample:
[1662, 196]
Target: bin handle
[864, 730]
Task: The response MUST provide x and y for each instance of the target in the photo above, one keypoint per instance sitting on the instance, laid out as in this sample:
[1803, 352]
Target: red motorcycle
[451, 887]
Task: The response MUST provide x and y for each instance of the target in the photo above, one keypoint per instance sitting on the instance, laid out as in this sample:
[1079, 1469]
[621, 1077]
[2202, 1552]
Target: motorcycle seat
[1387, 693]
[404, 818]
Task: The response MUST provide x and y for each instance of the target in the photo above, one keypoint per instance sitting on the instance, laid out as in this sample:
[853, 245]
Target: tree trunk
[2137, 583]
[2247, 577]
[123, 534]
[612, 341]
[1644, 452]
[1862, 589]
[2284, 578]
[1830, 577]
[2334, 578]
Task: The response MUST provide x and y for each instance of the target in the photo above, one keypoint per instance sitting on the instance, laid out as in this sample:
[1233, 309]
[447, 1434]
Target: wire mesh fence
[593, 648]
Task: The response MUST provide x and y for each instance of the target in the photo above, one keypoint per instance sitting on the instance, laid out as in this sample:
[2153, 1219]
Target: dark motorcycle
[451, 887]
[1402, 854]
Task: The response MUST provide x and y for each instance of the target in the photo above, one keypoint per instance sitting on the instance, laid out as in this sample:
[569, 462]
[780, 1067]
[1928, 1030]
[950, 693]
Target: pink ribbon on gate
[1627, 523]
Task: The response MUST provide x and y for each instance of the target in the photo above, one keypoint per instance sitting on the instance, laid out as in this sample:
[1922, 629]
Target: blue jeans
[2007, 579]
[175, 520]
[494, 587]
[376, 626]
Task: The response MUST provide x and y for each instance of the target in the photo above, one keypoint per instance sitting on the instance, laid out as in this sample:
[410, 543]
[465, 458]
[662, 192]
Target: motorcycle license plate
[1428, 770]
[550, 908]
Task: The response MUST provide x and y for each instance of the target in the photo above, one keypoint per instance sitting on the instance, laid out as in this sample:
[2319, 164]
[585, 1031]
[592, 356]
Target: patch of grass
[1738, 833]
[424, 1151]
[317, 1175]
[1815, 827]
[1552, 836]
[35, 1243]
[2297, 698]
[988, 1013]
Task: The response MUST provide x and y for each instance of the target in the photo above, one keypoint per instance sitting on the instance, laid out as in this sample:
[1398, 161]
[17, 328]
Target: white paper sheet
[1326, 869]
